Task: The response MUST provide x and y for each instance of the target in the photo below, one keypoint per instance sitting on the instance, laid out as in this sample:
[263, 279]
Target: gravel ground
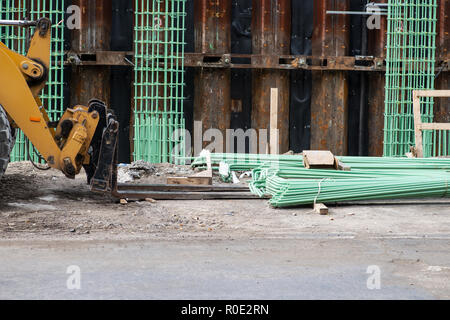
[44, 204]
[158, 250]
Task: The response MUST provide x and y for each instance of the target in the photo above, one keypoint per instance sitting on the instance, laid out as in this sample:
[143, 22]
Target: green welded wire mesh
[436, 142]
[17, 39]
[286, 180]
[439, 145]
[411, 48]
[13, 37]
[159, 80]
[52, 95]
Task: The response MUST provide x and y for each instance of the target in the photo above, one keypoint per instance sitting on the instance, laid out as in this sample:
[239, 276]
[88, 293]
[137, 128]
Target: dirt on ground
[46, 205]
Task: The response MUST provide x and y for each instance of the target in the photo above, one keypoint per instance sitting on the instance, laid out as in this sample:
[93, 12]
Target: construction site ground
[221, 249]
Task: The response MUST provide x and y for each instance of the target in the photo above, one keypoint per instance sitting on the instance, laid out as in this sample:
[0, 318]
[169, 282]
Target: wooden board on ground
[204, 178]
[319, 160]
[321, 209]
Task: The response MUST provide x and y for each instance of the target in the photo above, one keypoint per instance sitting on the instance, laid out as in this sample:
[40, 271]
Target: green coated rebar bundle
[411, 47]
[17, 39]
[159, 80]
[289, 183]
[295, 192]
[248, 162]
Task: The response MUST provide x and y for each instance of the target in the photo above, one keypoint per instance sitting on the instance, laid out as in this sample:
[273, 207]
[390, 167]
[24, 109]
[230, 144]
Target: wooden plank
[274, 130]
[434, 126]
[321, 209]
[201, 178]
[417, 124]
[319, 159]
[433, 93]
[205, 181]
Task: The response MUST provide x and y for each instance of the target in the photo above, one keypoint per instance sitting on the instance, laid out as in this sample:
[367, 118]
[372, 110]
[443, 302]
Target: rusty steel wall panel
[377, 82]
[329, 105]
[442, 106]
[301, 80]
[212, 98]
[95, 35]
[271, 37]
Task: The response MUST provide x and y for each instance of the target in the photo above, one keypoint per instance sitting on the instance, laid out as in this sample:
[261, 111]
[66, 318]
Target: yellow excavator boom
[68, 144]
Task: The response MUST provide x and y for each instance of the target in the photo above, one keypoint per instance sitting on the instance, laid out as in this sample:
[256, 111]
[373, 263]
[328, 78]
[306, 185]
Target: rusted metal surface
[271, 37]
[377, 81]
[442, 106]
[329, 105]
[212, 103]
[95, 32]
[284, 62]
[225, 61]
[95, 35]
[212, 26]
[100, 58]
[174, 192]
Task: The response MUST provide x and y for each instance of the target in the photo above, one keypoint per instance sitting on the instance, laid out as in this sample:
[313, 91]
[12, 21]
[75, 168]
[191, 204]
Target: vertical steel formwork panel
[329, 107]
[271, 37]
[377, 82]
[89, 82]
[442, 106]
[212, 102]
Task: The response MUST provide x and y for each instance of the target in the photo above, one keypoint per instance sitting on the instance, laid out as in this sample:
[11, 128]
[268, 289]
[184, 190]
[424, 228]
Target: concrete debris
[134, 171]
[150, 173]
[142, 166]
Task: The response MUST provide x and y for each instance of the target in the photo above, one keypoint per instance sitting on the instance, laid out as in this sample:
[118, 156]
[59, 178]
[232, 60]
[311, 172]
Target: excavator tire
[6, 141]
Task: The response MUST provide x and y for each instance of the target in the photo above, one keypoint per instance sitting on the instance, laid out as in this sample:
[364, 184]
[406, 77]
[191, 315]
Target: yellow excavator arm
[78, 139]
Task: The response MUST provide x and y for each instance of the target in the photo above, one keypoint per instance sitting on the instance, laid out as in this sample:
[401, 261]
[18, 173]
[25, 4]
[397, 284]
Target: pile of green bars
[289, 183]
[410, 65]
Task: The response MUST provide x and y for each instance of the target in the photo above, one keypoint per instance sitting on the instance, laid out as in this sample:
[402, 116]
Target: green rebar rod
[290, 184]
[248, 162]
